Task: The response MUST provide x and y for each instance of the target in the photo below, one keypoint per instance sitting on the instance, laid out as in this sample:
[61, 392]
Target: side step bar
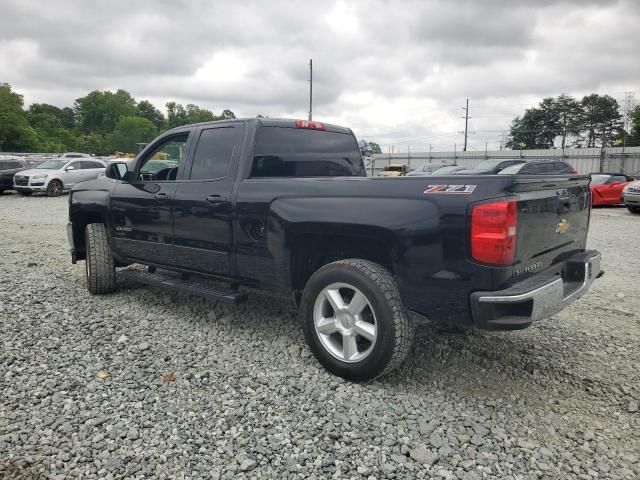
[175, 282]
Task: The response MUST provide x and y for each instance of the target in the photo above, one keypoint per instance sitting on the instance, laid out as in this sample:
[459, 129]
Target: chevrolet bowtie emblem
[562, 226]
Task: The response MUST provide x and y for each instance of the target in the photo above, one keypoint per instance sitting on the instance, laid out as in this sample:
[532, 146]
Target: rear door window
[214, 151]
[294, 152]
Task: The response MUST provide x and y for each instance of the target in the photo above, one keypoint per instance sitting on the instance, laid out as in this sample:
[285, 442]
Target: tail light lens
[573, 170]
[493, 232]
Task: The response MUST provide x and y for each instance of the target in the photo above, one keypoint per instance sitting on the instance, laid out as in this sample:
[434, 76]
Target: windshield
[512, 169]
[599, 179]
[486, 165]
[52, 164]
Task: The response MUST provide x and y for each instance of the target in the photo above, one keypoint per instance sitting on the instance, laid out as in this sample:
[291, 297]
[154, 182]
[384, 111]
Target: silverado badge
[562, 226]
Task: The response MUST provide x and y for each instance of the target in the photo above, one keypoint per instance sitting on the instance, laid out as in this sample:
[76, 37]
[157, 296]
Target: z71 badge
[456, 189]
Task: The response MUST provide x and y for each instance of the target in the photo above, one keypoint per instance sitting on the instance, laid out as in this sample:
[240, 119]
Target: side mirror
[117, 171]
[69, 168]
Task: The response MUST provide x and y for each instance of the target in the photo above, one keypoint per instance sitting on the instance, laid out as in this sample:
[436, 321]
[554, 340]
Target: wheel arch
[314, 248]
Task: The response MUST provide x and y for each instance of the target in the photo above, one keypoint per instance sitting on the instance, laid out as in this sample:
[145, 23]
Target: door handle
[217, 198]
[161, 196]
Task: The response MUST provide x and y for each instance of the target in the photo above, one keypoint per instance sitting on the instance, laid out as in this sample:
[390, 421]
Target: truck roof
[267, 122]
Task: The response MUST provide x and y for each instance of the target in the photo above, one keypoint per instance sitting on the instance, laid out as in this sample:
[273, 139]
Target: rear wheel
[633, 209]
[354, 321]
[54, 189]
[99, 263]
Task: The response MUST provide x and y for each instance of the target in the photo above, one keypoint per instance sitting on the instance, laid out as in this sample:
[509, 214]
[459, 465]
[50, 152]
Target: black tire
[55, 188]
[394, 328]
[633, 209]
[26, 193]
[100, 266]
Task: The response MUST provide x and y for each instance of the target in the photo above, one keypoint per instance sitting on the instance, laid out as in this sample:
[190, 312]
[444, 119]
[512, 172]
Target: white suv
[57, 175]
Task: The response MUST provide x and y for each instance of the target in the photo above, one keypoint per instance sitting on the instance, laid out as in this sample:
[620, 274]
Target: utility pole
[310, 89]
[466, 124]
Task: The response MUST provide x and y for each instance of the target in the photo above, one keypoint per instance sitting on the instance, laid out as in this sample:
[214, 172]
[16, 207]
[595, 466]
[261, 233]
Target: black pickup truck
[285, 206]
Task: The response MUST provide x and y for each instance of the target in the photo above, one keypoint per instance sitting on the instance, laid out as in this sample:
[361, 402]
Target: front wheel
[54, 189]
[633, 209]
[354, 321]
[99, 263]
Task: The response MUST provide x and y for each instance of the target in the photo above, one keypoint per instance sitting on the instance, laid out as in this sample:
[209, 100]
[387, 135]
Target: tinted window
[4, 165]
[535, 169]
[294, 152]
[87, 165]
[15, 164]
[214, 151]
[163, 161]
[618, 178]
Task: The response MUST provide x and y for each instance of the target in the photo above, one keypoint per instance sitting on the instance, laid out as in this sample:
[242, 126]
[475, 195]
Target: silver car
[631, 196]
[57, 175]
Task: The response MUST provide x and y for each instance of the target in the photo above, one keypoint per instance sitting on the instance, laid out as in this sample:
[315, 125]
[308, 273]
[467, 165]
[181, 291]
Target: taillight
[573, 170]
[493, 232]
[310, 125]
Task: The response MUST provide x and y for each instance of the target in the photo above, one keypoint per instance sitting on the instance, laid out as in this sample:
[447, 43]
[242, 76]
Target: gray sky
[396, 72]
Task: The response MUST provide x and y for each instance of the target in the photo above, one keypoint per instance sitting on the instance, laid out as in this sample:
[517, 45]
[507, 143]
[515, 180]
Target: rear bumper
[537, 297]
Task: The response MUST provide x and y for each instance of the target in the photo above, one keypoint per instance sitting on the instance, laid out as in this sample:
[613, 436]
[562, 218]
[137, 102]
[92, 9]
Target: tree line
[101, 122]
[564, 121]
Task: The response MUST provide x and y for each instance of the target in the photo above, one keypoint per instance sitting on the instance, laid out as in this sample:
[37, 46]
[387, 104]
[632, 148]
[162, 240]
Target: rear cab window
[298, 152]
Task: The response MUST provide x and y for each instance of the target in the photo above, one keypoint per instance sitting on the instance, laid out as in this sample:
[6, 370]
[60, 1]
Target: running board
[174, 282]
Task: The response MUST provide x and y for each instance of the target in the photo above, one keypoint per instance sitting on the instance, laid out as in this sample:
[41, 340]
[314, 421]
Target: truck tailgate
[553, 219]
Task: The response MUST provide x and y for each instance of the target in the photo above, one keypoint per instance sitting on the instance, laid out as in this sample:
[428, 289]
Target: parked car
[426, 169]
[8, 168]
[631, 196]
[293, 213]
[56, 176]
[539, 168]
[606, 188]
[393, 170]
[488, 167]
[448, 170]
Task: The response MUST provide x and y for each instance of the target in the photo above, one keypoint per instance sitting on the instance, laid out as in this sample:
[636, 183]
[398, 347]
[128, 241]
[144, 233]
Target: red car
[606, 188]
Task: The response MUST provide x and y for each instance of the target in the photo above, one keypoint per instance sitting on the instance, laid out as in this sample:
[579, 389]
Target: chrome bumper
[537, 297]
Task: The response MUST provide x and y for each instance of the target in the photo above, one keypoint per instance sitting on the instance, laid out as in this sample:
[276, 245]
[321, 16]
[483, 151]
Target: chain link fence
[584, 160]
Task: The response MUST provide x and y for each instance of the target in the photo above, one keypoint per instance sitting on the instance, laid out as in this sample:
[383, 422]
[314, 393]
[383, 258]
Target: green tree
[64, 115]
[100, 111]
[151, 113]
[227, 115]
[530, 131]
[375, 148]
[633, 138]
[176, 115]
[15, 132]
[195, 114]
[569, 117]
[601, 120]
[129, 132]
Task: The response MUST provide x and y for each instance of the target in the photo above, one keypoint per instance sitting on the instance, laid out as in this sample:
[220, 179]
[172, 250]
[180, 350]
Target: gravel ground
[149, 384]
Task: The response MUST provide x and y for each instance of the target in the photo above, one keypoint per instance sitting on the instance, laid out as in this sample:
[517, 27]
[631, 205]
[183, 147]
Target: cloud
[397, 72]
